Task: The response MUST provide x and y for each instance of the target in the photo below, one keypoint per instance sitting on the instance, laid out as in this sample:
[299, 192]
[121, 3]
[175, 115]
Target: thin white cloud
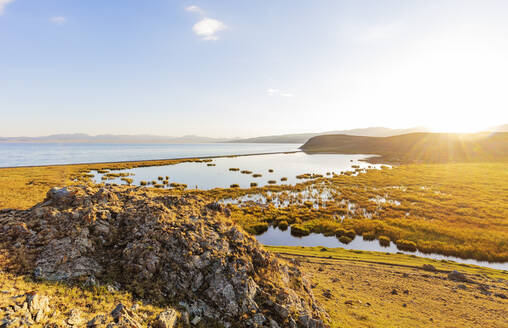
[195, 9]
[59, 20]
[277, 92]
[207, 28]
[3, 4]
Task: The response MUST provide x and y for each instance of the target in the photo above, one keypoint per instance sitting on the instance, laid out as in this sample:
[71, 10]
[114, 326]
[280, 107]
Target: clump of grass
[355, 166]
[210, 164]
[369, 235]
[117, 175]
[257, 175]
[272, 181]
[127, 180]
[270, 170]
[246, 172]
[234, 169]
[102, 171]
[165, 182]
[284, 179]
[257, 228]
[158, 185]
[167, 178]
[351, 234]
[143, 183]
[345, 239]
[160, 178]
[406, 245]
[309, 176]
[299, 230]
[253, 184]
[154, 182]
[384, 241]
[234, 185]
[283, 225]
[178, 185]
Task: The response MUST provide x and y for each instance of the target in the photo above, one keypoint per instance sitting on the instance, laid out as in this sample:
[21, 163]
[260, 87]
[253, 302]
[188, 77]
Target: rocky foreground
[179, 252]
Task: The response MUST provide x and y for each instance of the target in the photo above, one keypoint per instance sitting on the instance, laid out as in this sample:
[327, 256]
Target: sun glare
[457, 127]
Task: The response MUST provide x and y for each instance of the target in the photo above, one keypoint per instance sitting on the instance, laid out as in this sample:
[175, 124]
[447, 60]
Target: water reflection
[277, 237]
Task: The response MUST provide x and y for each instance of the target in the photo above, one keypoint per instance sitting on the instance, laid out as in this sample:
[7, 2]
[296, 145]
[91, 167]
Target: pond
[260, 169]
[277, 237]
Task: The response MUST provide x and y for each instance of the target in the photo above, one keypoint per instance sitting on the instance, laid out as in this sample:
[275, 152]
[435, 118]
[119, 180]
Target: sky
[248, 68]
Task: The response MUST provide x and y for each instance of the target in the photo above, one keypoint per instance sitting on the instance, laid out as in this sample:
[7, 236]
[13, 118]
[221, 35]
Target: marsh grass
[257, 175]
[384, 241]
[127, 180]
[234, 169]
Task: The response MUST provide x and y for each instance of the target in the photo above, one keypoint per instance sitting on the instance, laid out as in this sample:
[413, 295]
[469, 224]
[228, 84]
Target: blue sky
[247, 68]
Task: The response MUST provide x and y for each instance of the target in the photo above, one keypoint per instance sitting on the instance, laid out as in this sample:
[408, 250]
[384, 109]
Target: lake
[28, 154]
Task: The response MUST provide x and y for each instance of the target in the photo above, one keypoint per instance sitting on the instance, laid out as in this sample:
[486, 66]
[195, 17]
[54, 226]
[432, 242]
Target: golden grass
[454, 209]
[356, 288]
[90, 301]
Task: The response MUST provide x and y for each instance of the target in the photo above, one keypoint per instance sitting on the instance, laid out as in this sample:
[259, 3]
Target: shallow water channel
[277, 237]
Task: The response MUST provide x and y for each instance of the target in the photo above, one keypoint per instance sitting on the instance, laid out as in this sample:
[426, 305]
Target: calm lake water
[26, 154]
[203, 176]
[277, 237]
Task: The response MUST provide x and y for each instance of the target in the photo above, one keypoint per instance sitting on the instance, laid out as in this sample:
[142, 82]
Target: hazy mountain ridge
[300, 138]
[303, 137]
[110, 138]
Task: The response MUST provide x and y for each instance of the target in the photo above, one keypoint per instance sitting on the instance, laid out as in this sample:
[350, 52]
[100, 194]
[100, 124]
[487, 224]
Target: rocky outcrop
[182, 252]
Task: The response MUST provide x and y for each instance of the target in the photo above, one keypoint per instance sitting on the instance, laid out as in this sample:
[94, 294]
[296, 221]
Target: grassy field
[368, 289]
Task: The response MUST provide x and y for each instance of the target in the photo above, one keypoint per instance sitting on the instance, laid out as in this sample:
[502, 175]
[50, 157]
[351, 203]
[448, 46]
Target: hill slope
[416, 147]
[303, 137]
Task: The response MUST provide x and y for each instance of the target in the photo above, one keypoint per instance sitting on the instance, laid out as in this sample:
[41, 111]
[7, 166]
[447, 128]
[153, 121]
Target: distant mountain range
[108, 138]
[298, 138]
[303, 137]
